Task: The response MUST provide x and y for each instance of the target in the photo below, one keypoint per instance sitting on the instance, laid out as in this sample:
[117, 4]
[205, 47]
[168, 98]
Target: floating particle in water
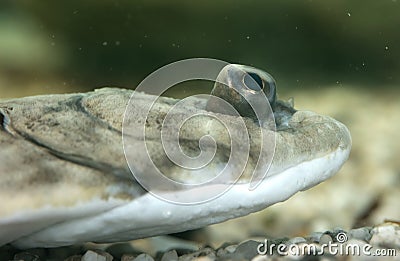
[348, 14]
[105, 43]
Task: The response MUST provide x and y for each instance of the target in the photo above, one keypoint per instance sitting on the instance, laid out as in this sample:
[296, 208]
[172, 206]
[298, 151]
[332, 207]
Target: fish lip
[320, 136]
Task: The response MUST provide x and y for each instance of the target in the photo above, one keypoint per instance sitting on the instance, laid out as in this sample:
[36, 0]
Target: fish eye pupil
[253, 81]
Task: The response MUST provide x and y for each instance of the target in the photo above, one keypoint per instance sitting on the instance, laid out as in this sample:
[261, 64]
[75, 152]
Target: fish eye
[253, 81]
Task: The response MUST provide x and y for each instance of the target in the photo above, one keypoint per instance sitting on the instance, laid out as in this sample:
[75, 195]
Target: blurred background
[52, 47]
[339, 58]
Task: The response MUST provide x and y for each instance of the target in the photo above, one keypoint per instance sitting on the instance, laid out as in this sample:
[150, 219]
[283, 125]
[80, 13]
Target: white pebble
[143, 257]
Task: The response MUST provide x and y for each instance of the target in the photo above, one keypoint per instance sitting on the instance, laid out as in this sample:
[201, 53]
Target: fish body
[66, 177]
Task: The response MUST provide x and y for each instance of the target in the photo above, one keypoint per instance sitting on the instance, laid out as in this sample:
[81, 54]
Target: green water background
[64, 46]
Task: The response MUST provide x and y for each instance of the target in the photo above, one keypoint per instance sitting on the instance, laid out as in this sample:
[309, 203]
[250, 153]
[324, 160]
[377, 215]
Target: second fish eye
[253, 81]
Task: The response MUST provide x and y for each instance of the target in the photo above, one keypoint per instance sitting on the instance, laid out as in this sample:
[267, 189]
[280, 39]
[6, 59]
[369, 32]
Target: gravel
[380, 239]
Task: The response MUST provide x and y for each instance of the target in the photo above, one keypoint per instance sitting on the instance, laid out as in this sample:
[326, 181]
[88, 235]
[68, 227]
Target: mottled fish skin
[51, 160]
[62, 160]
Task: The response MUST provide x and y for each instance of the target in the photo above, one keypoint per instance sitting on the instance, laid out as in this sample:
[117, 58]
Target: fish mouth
[166, 217]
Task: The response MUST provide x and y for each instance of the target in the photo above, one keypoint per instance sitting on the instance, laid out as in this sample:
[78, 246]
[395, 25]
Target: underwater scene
[339, 59]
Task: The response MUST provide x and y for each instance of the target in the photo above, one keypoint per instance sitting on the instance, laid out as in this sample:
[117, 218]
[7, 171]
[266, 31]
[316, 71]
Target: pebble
[170, 256]
[226, 249]
[362, 233]
[208, 252]
[96, 255]
[26, 256]
[315, 236]
[325, 239]
[143, 257]
[246, 250]
[386, 235]
[230, 249]
[296, 240]
[127, 257]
